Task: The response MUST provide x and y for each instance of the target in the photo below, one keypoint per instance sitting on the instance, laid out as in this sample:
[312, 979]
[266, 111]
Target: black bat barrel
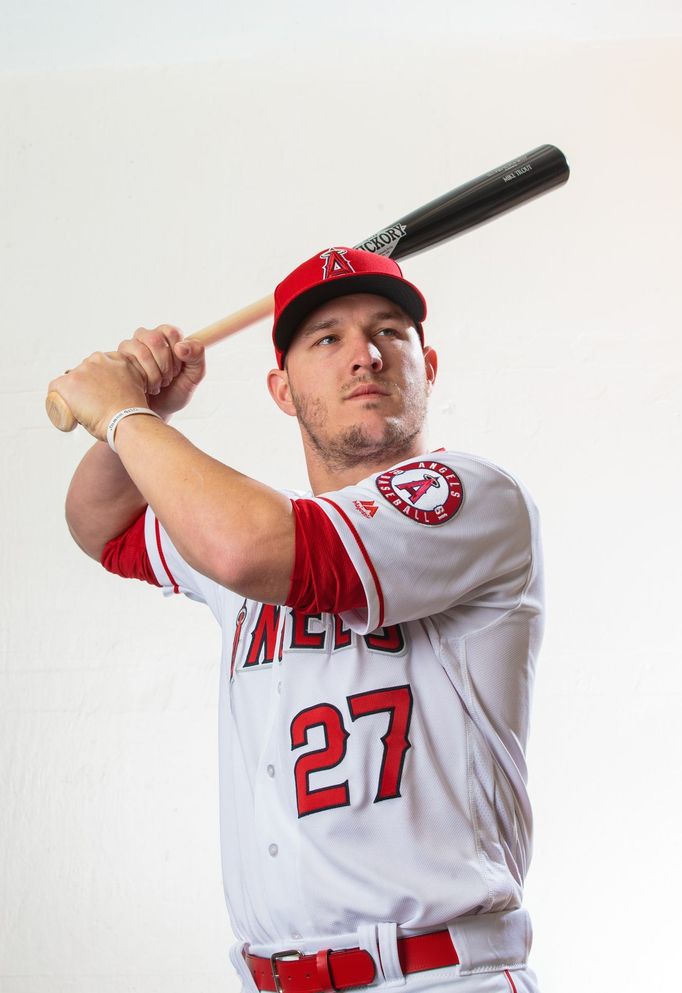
[474, 203]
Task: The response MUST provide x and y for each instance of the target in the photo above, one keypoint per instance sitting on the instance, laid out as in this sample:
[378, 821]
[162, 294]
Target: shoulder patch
[426, 492]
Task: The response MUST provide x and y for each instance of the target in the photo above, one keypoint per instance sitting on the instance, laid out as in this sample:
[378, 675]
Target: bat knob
[59, 412]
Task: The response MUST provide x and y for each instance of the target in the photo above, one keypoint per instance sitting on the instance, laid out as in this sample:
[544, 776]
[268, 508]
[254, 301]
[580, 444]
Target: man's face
[359, 380]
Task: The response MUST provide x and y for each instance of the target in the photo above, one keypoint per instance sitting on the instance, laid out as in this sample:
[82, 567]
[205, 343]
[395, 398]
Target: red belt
[293, 972]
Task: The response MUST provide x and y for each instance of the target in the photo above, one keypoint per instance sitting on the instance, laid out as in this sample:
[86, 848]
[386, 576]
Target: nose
[366, 355]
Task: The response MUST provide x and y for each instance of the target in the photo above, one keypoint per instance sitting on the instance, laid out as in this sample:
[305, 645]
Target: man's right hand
[171, 366]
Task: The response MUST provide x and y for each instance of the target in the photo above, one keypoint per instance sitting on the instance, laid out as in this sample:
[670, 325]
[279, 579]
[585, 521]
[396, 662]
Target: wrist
[119, 416]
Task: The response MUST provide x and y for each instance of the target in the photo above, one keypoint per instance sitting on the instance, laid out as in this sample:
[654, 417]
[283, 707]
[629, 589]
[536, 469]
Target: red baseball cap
[338, 272]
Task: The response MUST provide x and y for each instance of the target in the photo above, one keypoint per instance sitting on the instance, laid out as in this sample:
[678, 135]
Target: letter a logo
[335, 263]
[417, 488]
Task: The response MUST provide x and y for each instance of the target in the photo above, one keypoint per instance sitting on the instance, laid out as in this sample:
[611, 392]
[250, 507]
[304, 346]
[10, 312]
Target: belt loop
[324, 976]
[367, 940]
[387, 934]
[492, 942]
[236, 954]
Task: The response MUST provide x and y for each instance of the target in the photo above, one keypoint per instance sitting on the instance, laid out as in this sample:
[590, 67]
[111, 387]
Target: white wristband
[117, 418]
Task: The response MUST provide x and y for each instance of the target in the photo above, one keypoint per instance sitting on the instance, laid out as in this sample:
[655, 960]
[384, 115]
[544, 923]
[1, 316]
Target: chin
[384, 432]
[374, 428]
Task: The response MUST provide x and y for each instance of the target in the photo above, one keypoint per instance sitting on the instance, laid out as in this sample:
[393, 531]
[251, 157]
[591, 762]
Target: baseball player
[380, 634]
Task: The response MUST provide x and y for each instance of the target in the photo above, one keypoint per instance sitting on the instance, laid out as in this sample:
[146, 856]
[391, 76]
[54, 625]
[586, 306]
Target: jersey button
[270, 771]
[273, 849]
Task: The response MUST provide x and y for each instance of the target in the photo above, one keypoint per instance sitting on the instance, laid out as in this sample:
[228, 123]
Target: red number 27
[396, 701]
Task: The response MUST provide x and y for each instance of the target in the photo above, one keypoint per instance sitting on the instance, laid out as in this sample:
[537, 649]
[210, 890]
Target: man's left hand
[99, 387]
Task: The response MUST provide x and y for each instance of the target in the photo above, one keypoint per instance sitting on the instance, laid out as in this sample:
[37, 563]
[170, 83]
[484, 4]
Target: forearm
[226, 525]
[102, 500]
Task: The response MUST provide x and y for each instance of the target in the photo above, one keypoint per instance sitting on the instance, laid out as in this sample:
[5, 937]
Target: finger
[160, 341]
[170, 334]
[57, 385]
[156, 365]
[169, 331]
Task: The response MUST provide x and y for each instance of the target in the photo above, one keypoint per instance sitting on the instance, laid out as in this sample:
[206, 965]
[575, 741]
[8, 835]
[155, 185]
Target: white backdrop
[178, 193]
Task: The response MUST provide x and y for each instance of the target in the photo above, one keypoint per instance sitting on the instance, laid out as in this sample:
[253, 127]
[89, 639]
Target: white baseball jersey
[372, 758]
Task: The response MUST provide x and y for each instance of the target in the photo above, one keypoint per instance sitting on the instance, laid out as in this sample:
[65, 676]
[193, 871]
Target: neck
[326, 476]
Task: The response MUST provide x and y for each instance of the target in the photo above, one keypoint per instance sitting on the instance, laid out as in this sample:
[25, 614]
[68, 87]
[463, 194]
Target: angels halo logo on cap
[335, 263]
[337, 272]
[427, 492]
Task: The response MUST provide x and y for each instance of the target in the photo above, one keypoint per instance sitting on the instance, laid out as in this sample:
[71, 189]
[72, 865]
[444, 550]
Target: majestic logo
[426, 492]
[384, 242]
[367, 508]
[335, 263]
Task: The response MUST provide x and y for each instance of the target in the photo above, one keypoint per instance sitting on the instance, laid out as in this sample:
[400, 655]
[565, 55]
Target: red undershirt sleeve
[324, 579]
[127, 555]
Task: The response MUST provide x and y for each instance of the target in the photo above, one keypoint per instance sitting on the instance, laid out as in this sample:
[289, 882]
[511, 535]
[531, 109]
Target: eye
[327, 339]
[391, 332]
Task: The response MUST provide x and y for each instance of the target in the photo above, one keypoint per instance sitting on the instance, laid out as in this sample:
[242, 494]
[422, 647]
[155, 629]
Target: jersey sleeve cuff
[126, 554]
[324, 579]
[370, 616]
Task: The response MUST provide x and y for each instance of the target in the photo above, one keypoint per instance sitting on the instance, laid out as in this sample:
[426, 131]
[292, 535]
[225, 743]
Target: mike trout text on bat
[380, 638]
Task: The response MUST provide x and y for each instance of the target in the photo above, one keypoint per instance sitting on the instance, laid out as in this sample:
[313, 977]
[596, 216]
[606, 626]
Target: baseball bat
[462, 209]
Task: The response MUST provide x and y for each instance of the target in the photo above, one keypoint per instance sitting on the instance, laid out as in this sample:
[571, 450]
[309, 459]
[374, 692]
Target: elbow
[88, 542]
[258, 569]
[92, 525]
[93, 549]
[249, 550]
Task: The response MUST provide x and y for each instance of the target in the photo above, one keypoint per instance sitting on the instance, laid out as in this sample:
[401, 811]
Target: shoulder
[434, 487]
[433, 531]
[474, 464]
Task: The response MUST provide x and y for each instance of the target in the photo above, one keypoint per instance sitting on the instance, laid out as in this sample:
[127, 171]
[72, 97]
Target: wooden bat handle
[243, 318]
[58, 410]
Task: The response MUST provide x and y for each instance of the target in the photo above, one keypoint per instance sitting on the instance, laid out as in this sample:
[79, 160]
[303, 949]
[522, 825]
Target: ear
[278, 385]
[430, 364]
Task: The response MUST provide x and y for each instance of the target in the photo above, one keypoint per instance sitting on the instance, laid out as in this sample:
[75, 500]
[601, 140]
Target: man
[380, 637]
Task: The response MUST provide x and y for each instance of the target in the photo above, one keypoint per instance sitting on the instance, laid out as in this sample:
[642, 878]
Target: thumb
[192, 355]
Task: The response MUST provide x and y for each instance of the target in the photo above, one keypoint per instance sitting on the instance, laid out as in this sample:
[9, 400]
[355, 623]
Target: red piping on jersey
[281, 638]
[157, 527]
[377, 584]
[510, 980]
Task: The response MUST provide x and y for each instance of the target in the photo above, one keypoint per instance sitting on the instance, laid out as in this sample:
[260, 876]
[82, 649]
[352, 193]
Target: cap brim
[399, 291]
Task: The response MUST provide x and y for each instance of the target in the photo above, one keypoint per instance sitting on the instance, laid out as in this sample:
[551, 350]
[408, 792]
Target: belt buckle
[276, 957]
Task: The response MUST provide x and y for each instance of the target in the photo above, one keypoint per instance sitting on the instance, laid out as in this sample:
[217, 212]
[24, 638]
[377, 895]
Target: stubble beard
[355, 445]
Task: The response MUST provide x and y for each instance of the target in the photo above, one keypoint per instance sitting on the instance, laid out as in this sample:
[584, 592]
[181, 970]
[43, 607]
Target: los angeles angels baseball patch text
[426, 492]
